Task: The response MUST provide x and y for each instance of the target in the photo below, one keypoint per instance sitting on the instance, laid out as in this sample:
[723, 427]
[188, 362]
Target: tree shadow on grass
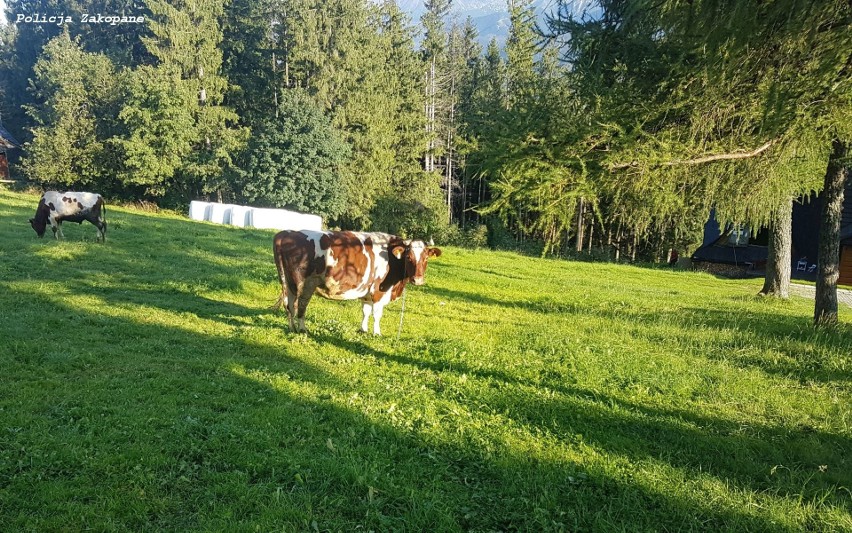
[747, 455]
[168, 428]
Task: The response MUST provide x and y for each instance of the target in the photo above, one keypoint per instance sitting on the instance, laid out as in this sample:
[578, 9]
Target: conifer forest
[609, 128]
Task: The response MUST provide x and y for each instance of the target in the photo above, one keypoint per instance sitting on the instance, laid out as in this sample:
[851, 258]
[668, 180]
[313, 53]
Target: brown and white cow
[346, 265]
[56, 207]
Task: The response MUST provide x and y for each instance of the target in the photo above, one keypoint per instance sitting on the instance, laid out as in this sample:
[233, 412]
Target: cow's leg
[100, 223]
[378, 311]
[287, 299]
[368, 310]
[282, 298]
[290, 304]
[306, 292]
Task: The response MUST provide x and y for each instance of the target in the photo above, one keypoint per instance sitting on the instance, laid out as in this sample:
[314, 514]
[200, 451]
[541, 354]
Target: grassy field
[146, 386]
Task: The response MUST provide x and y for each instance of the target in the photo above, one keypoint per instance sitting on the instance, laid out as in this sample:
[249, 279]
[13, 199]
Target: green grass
[146, 386]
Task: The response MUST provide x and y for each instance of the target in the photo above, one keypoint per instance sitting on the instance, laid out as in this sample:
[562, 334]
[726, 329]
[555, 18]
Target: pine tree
[21, 46]
[520, 54]
[253, 56]
[434, 49]
[412, 202]
[159, 129]
[185, 42]
[469, 64]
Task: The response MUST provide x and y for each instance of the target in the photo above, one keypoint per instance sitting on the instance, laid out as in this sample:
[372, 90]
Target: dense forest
[612, 128]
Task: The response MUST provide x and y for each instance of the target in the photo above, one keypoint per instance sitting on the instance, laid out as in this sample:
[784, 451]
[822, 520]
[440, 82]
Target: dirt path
[844, 296]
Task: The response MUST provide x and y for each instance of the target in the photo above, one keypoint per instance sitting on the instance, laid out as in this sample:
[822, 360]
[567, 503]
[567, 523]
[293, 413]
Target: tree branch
[701, 160]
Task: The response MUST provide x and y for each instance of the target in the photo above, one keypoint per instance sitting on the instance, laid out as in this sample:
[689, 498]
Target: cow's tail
[279, 264]
[280, 302]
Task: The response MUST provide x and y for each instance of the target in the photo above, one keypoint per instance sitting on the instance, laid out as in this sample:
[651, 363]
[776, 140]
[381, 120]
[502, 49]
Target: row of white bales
[253, 217]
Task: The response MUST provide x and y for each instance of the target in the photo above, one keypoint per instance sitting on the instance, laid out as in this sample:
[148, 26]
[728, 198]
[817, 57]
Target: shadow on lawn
[698, 444]
[212, 446]
[215, 446]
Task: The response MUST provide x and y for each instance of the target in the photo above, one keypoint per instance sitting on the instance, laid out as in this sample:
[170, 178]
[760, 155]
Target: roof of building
[7, 141]
[732, 255]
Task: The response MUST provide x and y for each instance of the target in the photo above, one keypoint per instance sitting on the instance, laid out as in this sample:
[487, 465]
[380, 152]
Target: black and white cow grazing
[57, 207]
[345, 265]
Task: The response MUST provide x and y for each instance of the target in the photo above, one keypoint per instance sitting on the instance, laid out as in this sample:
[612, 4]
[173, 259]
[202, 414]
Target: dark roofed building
[806, 222]
[7, 142]
[734, 252]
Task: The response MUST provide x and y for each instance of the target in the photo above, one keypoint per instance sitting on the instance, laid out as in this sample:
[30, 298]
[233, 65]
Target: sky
[2, 12]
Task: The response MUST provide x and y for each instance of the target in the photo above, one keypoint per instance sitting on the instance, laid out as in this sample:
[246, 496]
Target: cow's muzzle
[419, 281]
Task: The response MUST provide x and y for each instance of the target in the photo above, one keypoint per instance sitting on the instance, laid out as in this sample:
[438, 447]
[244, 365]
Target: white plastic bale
[253, 217]
[199, 210]
[282, 219]
[220, 213]
[241, 216]
[313, 222]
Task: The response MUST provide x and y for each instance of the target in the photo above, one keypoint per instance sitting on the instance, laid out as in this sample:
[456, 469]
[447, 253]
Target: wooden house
[806, 221]
[7, 143]
[846, 239]
[732, 253]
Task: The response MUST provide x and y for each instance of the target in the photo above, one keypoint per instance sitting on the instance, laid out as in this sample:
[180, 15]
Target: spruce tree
[185, 43]
[294, 160]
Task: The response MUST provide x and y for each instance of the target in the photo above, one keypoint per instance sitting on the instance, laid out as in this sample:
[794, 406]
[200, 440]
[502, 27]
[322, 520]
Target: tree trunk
[618, 243]
[274, 85]
[430, 117]
[779, 258]
[464, 203]
[580, 215]
[828, 270]
[591, 230]
[449, 165]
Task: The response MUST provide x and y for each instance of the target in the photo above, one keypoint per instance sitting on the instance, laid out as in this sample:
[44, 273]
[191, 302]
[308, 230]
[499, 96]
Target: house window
[739, 236]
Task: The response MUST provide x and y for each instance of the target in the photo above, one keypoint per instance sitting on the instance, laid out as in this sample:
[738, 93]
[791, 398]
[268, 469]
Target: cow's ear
[398, 251]
[434, 252]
